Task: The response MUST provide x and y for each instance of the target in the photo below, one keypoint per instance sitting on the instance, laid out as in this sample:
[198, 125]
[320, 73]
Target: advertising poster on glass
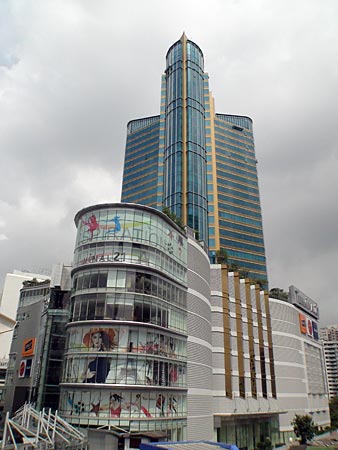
[130, 225]
[117, 404]
[98, 339]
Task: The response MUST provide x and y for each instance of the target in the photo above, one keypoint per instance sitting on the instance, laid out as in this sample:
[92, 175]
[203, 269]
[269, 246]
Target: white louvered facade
[244, 397]
[199, 346]
[299, 364]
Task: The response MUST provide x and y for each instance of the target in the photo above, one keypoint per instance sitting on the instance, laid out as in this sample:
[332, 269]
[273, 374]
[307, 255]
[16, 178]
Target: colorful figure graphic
[140, 407]
[92, 225]
[77, 408]
[173, 376]
[160, 404]
[172, 404]
[95, 408]
[100, 340]
[97, 371]
[149, 372]
[117, 228]
[115, 406]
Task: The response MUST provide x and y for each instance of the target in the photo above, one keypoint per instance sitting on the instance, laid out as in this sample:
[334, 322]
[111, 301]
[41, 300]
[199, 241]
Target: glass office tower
[141, 165]
[199, 164]
[185, 192]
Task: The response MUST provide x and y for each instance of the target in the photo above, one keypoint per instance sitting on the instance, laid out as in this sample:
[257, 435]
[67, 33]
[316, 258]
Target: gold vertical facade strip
[253, 378]
[261, 340]
[226, 332]
[184, 130]
[239, 330]
[214, 172]
[271, 357]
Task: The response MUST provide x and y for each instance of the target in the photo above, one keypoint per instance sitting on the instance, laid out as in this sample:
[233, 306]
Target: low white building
[299, 361]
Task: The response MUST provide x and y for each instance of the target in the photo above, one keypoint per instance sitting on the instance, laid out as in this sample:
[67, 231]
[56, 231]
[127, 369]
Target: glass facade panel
[185, 191]
[129, 321]
[240, 220]
[190, 135]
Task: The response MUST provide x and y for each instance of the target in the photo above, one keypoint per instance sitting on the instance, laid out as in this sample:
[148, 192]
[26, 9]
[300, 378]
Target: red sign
[22, 368]
[302, 324]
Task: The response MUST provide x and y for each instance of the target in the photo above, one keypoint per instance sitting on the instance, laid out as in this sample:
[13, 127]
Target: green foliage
[303, 427]
[221, 256]
[261, 282]
[243, 273]
[334, 412]
[266, 445]
[34, 282]
[172, 216]
[233, 267]
[278, 293]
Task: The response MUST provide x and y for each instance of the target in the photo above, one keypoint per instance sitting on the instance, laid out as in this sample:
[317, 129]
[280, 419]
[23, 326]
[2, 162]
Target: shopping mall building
[162, 345]
[160, 342]
[126, 360]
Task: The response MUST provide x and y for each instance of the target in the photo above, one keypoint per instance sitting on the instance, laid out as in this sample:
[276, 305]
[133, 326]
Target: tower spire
[183, 37]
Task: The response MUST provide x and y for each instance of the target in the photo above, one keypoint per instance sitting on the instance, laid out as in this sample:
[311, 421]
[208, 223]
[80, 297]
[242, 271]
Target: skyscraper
[199, 164]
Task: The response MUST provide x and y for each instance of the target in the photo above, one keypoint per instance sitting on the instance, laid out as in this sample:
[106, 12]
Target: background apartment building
[329, 337]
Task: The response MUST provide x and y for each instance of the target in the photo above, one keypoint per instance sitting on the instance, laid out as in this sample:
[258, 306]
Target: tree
[233, 267]
[221, 256]
[303, 427]
[265, 445]
[334, 412]
[278, 293]
[172, 216]
[243, 273]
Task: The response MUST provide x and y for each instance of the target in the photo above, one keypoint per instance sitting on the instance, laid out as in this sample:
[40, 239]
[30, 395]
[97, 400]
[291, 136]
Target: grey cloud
[72, 75]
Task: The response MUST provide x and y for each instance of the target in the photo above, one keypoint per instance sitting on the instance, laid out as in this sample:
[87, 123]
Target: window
[102, 279]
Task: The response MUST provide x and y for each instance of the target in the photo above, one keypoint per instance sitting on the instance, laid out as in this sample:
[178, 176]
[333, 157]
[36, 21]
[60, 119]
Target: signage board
[302, 324]
[298, 298]
[28, 347]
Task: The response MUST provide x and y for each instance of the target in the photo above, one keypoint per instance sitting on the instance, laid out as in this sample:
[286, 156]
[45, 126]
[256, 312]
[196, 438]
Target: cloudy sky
[73, 73]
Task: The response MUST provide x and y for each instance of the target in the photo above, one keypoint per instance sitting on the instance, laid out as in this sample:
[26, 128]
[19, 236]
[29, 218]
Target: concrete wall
[9, 304]
[19, 389]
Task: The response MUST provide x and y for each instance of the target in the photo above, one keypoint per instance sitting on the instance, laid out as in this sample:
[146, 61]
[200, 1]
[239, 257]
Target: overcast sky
[73, 73]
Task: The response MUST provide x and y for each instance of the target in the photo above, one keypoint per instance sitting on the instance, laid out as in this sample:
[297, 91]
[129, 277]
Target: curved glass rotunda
[125, 363]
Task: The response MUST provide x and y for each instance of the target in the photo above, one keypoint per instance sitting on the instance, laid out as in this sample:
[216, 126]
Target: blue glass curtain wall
[192, 106]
